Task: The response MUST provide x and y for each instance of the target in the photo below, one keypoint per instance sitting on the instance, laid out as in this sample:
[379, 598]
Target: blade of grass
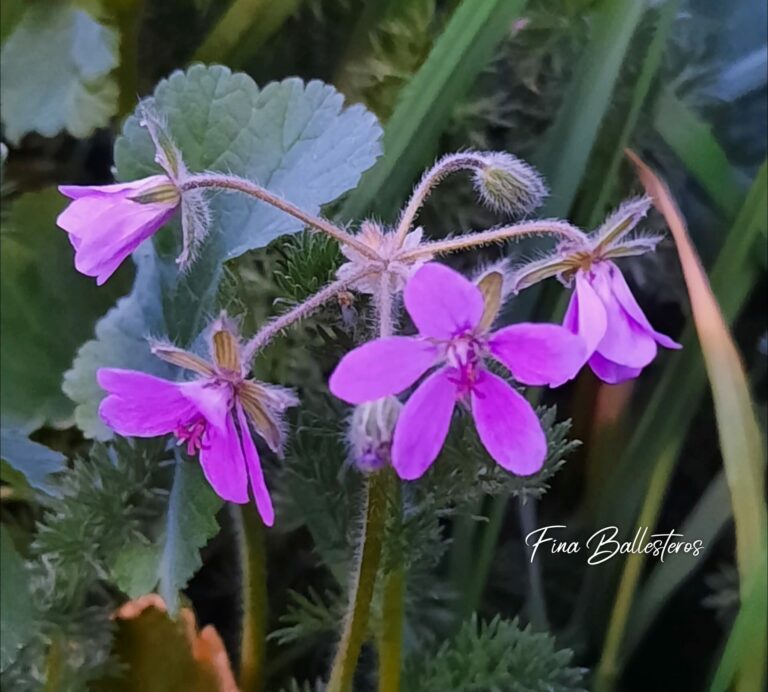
[668, 413]
[692, 141]
[411, 135]
[568, 143]
[640, 93]
[706, 522]
[739, 439]
[246, 21]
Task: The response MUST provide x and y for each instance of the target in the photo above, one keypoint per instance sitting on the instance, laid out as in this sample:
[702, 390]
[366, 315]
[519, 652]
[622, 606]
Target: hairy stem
[563, 229]
[384, 305]
[451, 163]
[356, 621]
[270, 330]
[230, 182]
[254, 587]
[390, 643]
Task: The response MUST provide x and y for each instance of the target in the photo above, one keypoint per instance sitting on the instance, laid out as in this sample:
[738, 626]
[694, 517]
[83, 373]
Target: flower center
[192, 433]
[465, 355]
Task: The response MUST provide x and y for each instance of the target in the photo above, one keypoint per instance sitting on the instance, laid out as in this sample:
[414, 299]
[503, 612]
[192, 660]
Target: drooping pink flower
[212, 416]
[454, 335]
[106, 223]
[620, 341]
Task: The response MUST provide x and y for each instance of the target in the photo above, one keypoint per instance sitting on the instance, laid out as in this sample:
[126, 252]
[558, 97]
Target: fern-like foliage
[104, 504]
[305, 263]
[496, 656]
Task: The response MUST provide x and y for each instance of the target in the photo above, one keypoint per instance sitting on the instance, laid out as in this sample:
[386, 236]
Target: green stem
[356, 622]
[537, 604]
[610, 665]
[254, 584]
[392, 603]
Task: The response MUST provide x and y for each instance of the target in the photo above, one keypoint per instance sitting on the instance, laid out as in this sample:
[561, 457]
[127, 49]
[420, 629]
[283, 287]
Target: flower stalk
[254, 599]
[355, 629]
[230, 182]
[390, 643]
[270, 330]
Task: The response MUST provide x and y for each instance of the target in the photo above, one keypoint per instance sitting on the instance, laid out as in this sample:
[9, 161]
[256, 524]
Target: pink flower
[450, 314]
[211, 415]
[620, 340]
[106, 223]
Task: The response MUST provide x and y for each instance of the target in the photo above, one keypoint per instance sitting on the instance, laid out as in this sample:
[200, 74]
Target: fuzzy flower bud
[371, 428]
[508, 184]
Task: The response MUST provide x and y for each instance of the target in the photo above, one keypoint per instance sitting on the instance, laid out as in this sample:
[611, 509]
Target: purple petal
[611, 372]
[141, 405]
[585, 315]
[381, 368]
[441, 302]
[211, 398]
[624, 295]
[253, 464]
[508, 427]
[113, 190]
[223, 463]
[539, 354]
[105, 228]
[625, 341]
[423, 425]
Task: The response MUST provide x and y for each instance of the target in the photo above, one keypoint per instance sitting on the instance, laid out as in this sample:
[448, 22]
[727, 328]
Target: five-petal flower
[212, 415]
[454, 335]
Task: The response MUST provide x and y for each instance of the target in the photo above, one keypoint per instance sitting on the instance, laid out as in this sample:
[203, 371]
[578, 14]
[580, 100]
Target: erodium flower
[213, 415]
[454, 337]
[106, 223]
[619, 338]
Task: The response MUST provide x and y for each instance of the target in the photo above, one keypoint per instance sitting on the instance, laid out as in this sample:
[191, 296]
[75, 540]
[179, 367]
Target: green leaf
[497, 655]
[658, 432]
[17, 611]
[189, 523]
[34, 461]
[55, 73]
[47, 309]
[121, 341]
[692, 140]
[740, 440]
[426, 104]
[568, 143]
[293, 138]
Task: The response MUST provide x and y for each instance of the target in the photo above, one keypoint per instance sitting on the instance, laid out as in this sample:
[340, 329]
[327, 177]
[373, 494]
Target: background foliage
[567, 85]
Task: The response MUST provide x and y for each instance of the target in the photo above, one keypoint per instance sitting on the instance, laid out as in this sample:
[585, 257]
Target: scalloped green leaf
[55, 73]
[296, 139]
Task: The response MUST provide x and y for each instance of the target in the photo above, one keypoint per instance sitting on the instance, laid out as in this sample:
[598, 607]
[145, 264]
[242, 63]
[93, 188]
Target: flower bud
[508, 184]
[370, 433]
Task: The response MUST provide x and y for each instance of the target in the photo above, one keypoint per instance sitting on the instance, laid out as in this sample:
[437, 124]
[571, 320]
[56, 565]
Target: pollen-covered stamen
[192, 433]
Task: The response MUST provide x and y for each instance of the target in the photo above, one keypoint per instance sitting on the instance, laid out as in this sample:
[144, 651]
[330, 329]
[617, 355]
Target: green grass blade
[659, 432]
[740, 442]
[425, 106]
[692, 141]
[568, 143]
[640, 92]
[706, 522]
